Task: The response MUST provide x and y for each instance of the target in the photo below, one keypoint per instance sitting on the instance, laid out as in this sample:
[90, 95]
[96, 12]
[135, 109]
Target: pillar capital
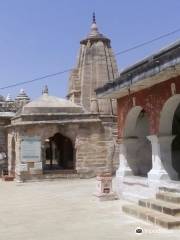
[161, 138]
[153, 138]
[166, 138]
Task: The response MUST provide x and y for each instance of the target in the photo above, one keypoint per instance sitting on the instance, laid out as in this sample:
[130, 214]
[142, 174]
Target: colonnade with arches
[145, 153]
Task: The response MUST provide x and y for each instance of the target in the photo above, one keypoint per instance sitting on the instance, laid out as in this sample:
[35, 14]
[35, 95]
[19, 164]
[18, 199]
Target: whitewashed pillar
[157, 172]
[166, 155]
[124, 169]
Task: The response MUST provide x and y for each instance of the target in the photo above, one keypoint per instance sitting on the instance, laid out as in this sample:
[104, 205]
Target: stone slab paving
[67, 210]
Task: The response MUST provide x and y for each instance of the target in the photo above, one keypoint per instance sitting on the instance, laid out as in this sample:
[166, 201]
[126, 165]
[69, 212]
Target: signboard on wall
[30, 149]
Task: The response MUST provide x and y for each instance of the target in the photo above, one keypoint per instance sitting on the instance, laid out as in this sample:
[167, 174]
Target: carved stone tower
[96, 66]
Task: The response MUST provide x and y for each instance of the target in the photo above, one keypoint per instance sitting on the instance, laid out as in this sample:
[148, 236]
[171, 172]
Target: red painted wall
[151, 100]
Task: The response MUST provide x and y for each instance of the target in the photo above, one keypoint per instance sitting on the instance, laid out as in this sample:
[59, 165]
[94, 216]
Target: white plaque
[30, 149]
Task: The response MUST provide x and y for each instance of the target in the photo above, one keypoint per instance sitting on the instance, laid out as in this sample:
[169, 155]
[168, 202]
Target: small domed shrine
[52, 134]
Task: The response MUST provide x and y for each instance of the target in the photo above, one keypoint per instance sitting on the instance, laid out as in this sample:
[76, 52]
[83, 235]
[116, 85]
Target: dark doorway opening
[13, 157]
[59, 153]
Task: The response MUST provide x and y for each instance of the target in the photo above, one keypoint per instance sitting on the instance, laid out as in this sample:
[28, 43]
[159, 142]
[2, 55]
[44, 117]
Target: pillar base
[123, 172]
[156, 175]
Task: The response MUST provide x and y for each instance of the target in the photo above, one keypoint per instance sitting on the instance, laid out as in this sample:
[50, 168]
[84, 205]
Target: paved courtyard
[67, 210]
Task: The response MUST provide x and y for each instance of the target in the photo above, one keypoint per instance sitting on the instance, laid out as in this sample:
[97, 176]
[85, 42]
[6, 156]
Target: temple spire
[22, 96]
[45, 90]
[94, 17]
[85, 78]
[8, 98]
[94, 32]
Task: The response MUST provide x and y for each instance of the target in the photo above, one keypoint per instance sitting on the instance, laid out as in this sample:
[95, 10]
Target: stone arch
[169, 132]
[130, 123]
[167, 115]
[70, 132]
[138, 148]
[59, 153]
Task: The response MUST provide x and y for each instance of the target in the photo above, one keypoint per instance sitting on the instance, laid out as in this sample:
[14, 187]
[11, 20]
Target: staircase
[163, 210]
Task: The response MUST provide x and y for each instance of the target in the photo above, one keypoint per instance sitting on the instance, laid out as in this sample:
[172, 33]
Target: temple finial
[94, 17]
[45, 90]
[8, 98]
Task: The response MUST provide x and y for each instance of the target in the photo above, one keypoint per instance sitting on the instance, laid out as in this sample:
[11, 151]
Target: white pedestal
[157, 172]
[124, 169]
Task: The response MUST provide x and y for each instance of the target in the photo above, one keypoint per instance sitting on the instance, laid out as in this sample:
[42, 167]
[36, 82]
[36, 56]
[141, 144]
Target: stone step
[172, 197]
[152, 216]
[55, 176]
[160, 206]
[168, 189]
[7, 178]
[52, 177]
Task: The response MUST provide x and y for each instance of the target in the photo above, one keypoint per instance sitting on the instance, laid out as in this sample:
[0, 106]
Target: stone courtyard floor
[67, 210]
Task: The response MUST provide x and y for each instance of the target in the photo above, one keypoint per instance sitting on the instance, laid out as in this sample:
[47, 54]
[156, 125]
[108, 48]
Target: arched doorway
[59, 153]
[169, 131]
[138, 147]
[175, 148]
[13, 157]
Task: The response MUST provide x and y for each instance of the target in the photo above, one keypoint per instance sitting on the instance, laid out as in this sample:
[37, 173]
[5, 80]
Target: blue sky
[39, 37]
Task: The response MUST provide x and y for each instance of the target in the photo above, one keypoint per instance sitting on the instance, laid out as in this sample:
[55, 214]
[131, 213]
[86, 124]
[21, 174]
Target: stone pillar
[166, 155]
[124, 169]
[157, 172]
[114, 106]
[53, 151]
[94, 108]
